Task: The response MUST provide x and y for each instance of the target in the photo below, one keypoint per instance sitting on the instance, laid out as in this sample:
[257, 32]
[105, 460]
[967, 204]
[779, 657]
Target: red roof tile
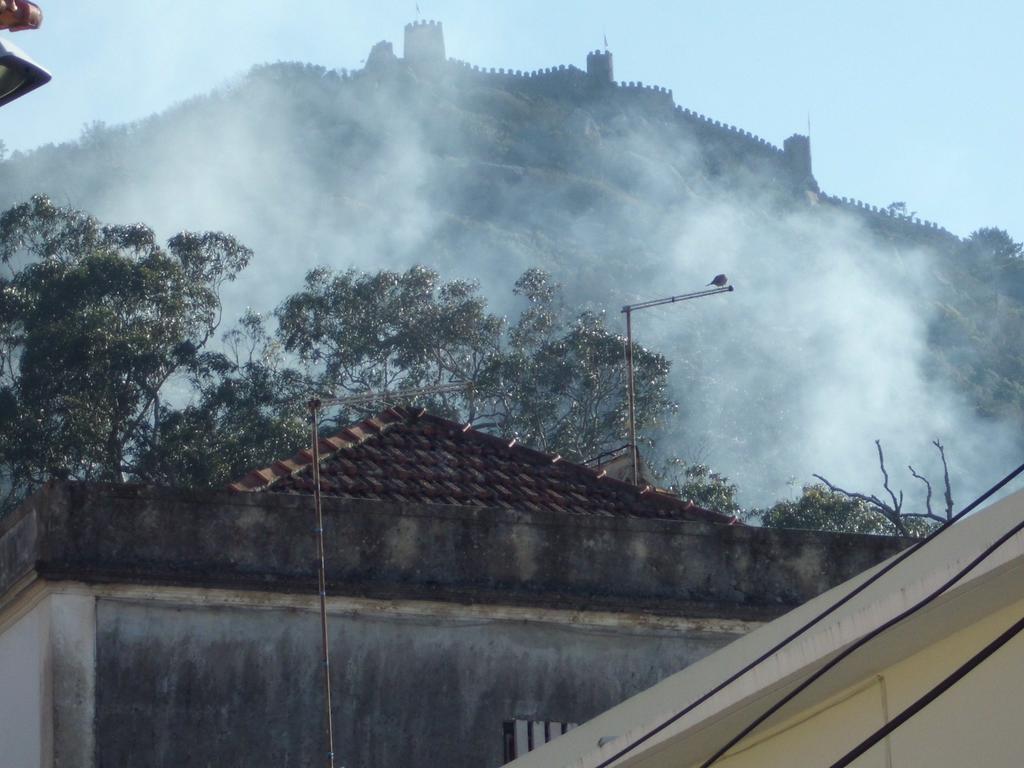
[405, 455]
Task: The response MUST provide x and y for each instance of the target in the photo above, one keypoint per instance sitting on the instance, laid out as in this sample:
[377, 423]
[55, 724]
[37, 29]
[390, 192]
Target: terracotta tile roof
[411, 456]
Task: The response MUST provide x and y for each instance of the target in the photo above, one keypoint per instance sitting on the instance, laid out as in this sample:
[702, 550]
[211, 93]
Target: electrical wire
[944, 685]
[864, 640]
[816, 619]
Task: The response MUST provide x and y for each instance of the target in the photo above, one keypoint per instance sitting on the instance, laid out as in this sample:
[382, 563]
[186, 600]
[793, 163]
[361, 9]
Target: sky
[907, 101]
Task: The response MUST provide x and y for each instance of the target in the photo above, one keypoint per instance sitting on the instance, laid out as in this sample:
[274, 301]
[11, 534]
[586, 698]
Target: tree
[829, 507]
[94, 321]
[249, 411]
[821, 509]
[699, 484]
[387, 331]
[899, 209]
[553, 380]
[991, 244]
[560, 382]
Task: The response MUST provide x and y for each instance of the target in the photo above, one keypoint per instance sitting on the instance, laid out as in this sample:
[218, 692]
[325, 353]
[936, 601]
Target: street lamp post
[628, 310]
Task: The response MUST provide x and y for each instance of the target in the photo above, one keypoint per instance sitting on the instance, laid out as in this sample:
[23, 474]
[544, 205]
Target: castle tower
[381, 56]
[599, 67]
[424, 42]
[797, 153]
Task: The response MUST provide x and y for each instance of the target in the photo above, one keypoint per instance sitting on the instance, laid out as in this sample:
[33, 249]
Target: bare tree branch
[890, 514]
[897, 504]
[894, 512]
[928, 485]
[945, 477]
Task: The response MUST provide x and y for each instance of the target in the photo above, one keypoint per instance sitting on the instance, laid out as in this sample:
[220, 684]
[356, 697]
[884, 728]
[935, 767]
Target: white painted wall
[22, 685]
[975, 723]
[48, 681]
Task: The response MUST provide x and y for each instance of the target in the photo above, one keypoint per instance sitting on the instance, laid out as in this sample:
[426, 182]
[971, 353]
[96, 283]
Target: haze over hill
[847, 325]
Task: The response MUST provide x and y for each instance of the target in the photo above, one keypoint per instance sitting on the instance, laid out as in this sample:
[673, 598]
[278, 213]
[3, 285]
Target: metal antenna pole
[314, 414]
[314, 405]
[630, 382]
[631, 396]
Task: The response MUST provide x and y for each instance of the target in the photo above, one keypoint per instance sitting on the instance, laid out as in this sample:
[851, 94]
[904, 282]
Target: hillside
[848, 323]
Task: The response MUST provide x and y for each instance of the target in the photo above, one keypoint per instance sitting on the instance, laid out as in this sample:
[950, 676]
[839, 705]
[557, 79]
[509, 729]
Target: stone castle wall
[570, 81]
[570, 78]
[890, 220]
[424, 43]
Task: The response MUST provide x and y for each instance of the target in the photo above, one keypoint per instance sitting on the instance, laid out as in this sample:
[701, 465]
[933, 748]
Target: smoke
[820, 350]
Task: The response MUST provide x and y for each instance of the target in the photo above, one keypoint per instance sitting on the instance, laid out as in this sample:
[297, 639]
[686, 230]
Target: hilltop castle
[424, 53]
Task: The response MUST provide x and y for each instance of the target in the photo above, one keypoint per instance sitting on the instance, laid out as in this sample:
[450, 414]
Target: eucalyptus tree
[560, 382]
[247, 409]
[383, 332]
[553, 379]
[95, 320]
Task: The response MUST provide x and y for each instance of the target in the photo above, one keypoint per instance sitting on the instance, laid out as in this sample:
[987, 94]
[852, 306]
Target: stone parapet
[218, 539]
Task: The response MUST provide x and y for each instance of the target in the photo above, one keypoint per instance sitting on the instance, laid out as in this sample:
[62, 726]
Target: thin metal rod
[314, 415]
[315, 406]
[399, 394]
[631, 396]
[674, 299]
[630, 385]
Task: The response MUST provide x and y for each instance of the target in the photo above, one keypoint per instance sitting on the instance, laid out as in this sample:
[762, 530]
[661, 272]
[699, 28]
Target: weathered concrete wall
[218, 686]
[466, 554]
[72, 685]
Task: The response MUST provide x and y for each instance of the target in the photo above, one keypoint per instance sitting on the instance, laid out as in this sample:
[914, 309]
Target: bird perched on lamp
[719, 281]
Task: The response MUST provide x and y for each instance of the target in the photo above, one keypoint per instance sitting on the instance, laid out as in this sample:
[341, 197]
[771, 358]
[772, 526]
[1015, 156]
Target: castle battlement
[638, 86]
[889, 217]
[887, 213]
[424, 46]
[730, 133]
[599, 65]
[566, 79]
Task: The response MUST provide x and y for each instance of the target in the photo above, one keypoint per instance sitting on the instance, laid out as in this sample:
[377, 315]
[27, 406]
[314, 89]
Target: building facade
[148, 627]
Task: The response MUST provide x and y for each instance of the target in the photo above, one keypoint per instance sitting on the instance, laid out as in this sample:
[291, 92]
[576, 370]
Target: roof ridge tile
[416, 456]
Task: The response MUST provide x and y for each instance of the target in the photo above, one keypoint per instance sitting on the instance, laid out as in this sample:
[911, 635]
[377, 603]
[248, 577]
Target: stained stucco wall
[216, 685]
